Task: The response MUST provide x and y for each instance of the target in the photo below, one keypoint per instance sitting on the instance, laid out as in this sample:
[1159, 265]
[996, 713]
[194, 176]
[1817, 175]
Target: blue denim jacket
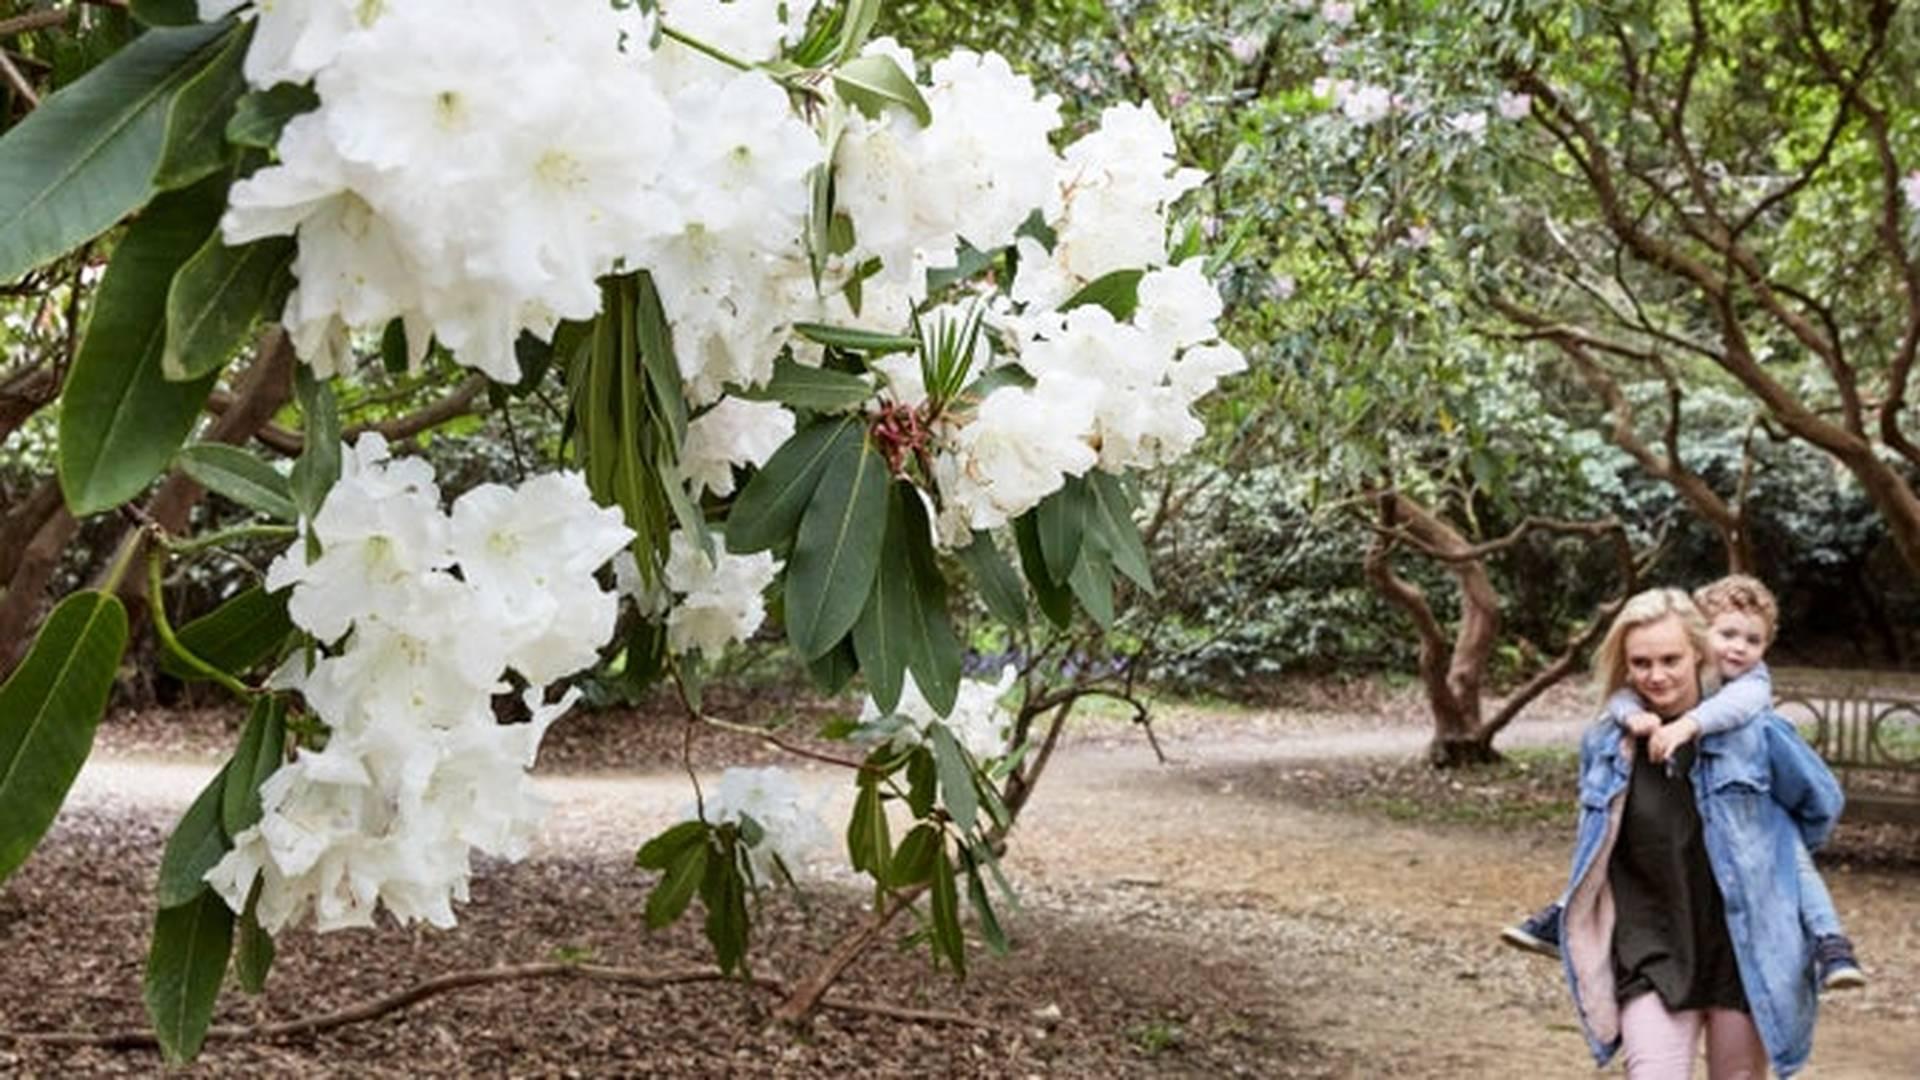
[1762, 792]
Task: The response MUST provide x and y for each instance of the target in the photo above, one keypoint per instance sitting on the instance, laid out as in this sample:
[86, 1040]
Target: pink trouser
[1659, 1045]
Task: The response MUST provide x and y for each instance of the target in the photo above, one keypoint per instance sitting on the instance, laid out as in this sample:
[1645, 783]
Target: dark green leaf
[674, 891]
[933, 653]
[725, 894]
[948, 940]
[1062, 522]
[837, 550]
[869, 839]
[49, 709]
[1118, 292]
[660, 852]
[166, 12]
[870, 342]
[1004, 375]
[913, 863]
[956, 777]
[1092, 585]
[197, 843]
[832, 672]
[86, 156]
[888, 624]
[196, 139]
[922, 783]
[840, 727]
[1111, 518]
[820, 390]
[230, 471]
[318, 466]
[769, 508]
[656, 355]
[262, 744]
[253, 950]
[873, 82]
[994, 578]
[235, 636]
[259, 116]
[983, 906]
[120, 418]
[185, 967]
[218, 298]
[1055, 600]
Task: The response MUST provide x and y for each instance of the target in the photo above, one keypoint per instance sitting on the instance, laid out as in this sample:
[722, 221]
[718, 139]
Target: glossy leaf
[948, 939]
[1118, 292]
[218, 298]
[185, 966]
[86, 157]
[995, 579]
[196, 139]
[889, 623]
[873, 82]
[869, 838]
[259, 116]
[263, 743]
[253, 949]
[238, 475]
[1062, 522]
[956, 777]
[318, 466]
[198, 842]
[838, 547]
[660, 852]
[815, 389]
[675, 890]
[120, 418]
[913, 862]
[234, 637]
[870, 342]
[724, 893]
[1111, 517]
[49, 709]
[768, 509]
[165, 12]
[1055, 600]
[934, 653]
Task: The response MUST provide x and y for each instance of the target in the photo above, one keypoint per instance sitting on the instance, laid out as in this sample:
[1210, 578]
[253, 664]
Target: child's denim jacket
[1762, 792]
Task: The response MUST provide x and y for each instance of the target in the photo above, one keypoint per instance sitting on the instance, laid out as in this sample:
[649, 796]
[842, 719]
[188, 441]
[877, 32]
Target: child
[1743, 618]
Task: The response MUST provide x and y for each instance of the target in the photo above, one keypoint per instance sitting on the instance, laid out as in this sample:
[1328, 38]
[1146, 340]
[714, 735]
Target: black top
[1671, 932]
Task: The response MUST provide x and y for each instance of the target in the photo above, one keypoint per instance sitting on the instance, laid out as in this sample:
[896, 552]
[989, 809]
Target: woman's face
[1662, 667]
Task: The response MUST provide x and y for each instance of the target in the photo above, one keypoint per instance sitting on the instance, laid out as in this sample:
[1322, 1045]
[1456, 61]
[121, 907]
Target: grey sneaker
[1833, 961]
[1538, 933]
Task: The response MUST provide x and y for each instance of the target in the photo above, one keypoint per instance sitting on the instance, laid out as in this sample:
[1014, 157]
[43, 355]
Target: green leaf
[983, 912]
[995, 579]
[769, 508]
[934, 653]
[1092, 585]
[838, 547]
[1004, 375]
[1055, 600]
[815, 389]
[1112, 520]
[1118, 292]
[165, 12]
[913, 863]
[656, 356]
[197, 843]
[674, 891]
[196, 139]
[871, 83]
[956, 777]
[120, 419]
[185, 967]
[1061, 519]
[869, 839]
[660, 852]
[948, 940]
[259, 116]
[889, 622]
[49, 709]
[922, 783]
[254, 951]
[857, 22]
[870, 342]
[234, 637]
[724, 892]
[86, 156]
[832, 672]
[230, 471]
[217, 299]
[318, 466]
[262, 745]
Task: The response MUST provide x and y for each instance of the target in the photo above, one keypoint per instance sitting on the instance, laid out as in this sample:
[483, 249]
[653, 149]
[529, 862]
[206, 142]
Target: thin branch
[18, 81]
[34, 20]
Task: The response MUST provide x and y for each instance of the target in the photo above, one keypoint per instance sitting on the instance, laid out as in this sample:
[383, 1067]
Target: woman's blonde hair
[1610, 659]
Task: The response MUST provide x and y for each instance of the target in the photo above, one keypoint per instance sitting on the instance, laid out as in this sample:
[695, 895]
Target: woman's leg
[1734, 1049]
[1657, 1044]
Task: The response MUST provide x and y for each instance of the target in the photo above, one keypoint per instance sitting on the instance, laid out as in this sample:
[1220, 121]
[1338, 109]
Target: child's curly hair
[1742, 593]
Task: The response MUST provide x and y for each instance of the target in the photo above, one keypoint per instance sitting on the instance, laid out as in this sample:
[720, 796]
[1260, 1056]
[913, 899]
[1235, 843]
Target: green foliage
[185, 966]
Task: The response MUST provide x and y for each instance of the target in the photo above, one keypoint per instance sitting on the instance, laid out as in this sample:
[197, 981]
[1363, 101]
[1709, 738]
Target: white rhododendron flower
[733, 432]
[1366, 105]
[718, 598]
[1018, 448]
[978, 722]
[1512, 106]
[790, 822]
[424, 615]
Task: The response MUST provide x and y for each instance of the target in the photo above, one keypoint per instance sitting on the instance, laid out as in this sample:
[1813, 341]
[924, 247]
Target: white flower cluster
[978, 722]
[717, 597]
[789, 819]
[555, 125]
[416, 772]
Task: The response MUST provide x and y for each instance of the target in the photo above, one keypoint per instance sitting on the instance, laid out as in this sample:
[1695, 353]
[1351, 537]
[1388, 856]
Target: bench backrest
[1866, 720]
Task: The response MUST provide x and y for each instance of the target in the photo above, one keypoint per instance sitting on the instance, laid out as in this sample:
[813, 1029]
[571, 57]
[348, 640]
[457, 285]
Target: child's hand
[1672, 737]
[1642, 724]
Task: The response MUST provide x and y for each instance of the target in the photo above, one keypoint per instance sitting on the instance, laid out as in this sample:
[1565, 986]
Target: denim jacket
[1762, 792]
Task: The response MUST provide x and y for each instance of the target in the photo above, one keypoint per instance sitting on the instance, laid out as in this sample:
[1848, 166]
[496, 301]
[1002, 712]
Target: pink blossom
[1244, 48]
[1337, 13]
[1334, 204]
[1512, 106]
[1911, 186]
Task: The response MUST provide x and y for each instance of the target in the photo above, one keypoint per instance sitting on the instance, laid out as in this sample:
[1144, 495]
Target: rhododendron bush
[834, 321]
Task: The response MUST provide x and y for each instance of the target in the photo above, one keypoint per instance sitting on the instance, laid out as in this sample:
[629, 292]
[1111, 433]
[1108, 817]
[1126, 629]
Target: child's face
[1739, 641]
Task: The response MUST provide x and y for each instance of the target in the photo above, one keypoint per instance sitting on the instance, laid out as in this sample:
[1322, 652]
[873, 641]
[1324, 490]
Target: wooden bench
[1866, 724]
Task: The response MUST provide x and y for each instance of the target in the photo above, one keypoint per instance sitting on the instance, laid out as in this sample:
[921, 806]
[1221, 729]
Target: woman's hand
[1672, 737]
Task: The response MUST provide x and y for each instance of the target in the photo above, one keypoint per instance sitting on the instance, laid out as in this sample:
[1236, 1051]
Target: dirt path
[1376, 939]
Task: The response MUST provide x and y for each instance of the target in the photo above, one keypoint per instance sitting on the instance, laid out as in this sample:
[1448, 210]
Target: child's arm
[1627, 711]
[1736, 703]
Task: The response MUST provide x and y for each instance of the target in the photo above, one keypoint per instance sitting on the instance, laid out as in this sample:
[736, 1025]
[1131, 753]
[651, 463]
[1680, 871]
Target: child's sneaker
[1833, 961]
[1540, 933]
